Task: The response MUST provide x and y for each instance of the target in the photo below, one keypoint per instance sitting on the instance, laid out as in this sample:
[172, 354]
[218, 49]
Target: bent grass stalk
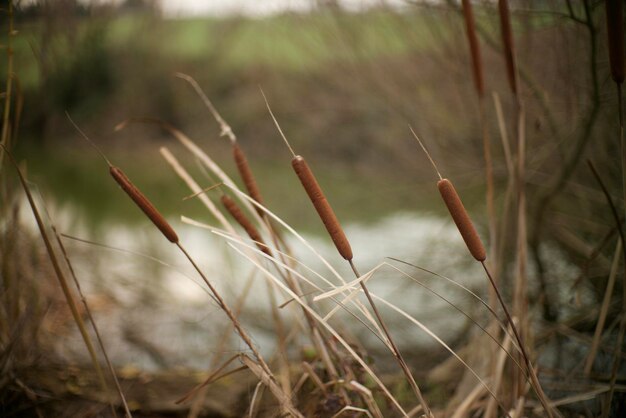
[474, 245]
[233, 209]
[89, 315]
[334, 229]
[61, 277]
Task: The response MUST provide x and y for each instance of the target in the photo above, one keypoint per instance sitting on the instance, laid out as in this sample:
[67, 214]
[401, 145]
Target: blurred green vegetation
[343, 85]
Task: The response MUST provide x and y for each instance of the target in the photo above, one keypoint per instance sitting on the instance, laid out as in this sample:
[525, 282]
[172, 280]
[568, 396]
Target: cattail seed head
[144, 204]
[462, 219]
[246, 175]
[322, 206]
[477, 67]
[615, 30]
[507, 42]
[245, 223]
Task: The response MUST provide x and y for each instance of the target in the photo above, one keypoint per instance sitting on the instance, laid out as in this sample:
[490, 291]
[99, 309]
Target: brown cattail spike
[462, 219]
[245, 223]
[246, 175]
[322, 206]
[477, 66]
[507, 42]
[144, 204]
[615, 30]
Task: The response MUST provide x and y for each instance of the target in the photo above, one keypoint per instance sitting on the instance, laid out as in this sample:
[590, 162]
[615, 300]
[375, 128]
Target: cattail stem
[396, 351]
[222, 304]
[530, 369]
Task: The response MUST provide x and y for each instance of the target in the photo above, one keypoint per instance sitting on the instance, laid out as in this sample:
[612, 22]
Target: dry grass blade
[444, 345]
[138, 254]
[352, 409]
[328, 327]
[462, 312]
[258, 389]
[212, 378]
[622, 327]
[194, 187]
[604, 309]
[268, 381]
[61, 277]
[194, 149]
[340, 304]
[89, 315]
[203, 191]
[498, 375]
[492, 312]
[225, 127]
[272, 216]
[292, 231]
[464, 409]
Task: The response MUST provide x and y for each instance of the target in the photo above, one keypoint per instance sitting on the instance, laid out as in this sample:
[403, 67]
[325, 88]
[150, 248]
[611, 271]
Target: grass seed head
[507, 42]
[144, 204]
[462, 219]
[245, 223]
[246, 175]
[322, 206]
[477, 66]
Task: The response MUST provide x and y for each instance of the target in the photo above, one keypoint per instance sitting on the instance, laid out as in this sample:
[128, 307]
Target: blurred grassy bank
[105, 68]
[344, 87]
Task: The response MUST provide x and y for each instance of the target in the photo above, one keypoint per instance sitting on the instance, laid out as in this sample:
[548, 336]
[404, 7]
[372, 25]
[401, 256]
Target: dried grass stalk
[322, 206]
[144, 204]
[462, 219]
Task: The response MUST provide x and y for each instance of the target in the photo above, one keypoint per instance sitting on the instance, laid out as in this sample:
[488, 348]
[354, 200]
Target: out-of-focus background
[345, 79]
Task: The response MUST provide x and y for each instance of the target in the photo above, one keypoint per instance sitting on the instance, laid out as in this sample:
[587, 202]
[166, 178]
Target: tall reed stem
[530, 369]
[242, 333]
[396, 351]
